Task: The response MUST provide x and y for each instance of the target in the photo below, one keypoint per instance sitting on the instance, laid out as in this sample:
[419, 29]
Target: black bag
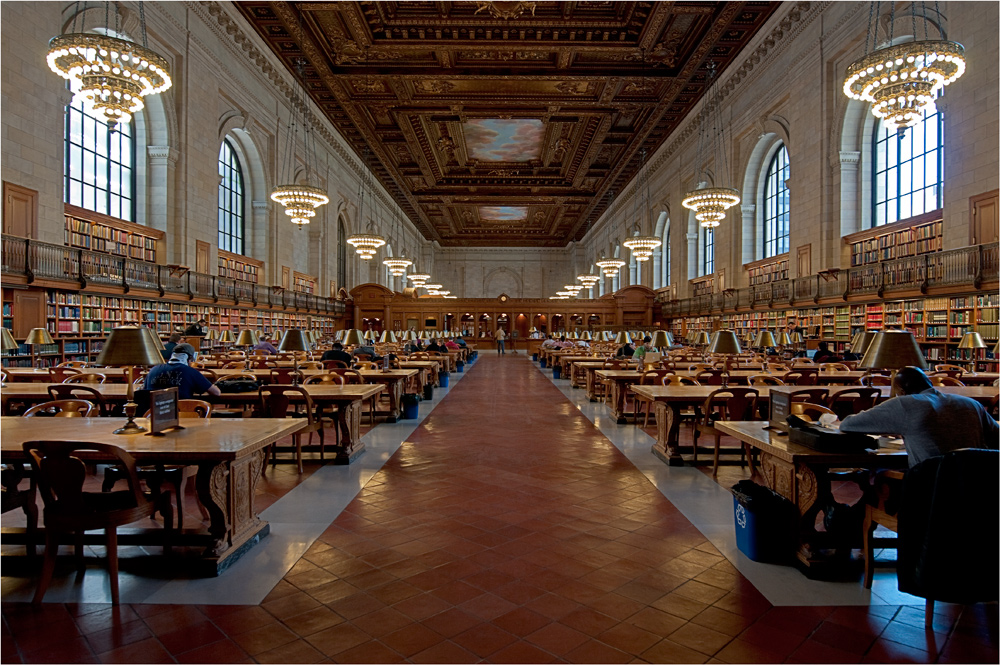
[827, 440]
[237, 384]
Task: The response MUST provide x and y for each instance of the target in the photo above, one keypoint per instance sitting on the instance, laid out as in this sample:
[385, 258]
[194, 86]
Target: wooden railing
[964, 267]
[36, 260]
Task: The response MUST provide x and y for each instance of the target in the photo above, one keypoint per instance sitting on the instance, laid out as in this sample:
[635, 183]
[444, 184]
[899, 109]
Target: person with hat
[177, 374]
[265, 345]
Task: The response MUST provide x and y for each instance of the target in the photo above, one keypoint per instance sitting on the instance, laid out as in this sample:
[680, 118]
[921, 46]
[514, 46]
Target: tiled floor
[507, 528]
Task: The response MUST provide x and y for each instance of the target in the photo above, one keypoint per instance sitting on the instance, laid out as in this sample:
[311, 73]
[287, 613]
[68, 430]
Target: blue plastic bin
[443, 379]
[556, 372]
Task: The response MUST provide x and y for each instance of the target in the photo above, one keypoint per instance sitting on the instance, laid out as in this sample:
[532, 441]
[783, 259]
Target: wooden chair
[833, 367]
[713, 377]
[63, 391]
[944, 380]
[725, 404]
[64, 408]
[236, 364]
[311, 364]
[367, 365]
[274, 403]
[260, 363]
[74, 364]
[353, 377]
[322, 414]
[334, 364]
[856, 400]
[60, 374]
[651, 377]
[87, 377]
[777, 367]
[285, 376]
[69, 509]
[812, 395]
[874, 380]
[13, 497]
[953, 373]
[950, 368]
[802, 376]
[325, 378]
[880, 511]
[809, 411]
[765, 380]
[678, 380]
[209, 374]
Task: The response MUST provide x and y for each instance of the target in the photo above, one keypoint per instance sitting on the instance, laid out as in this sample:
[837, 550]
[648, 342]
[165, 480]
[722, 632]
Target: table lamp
[294, 340]
[35, 337]
[247, 339]
[227, 337]
[370, 335]
[661, 340]
[724, 342]
[862, 341]
[388, 337]
[623, 338]
[702, 339]
[586, 335]
[893, 350]
[7, 341]
[972, 341]
[128, 347]
[784, 339]
[764, 340]
[353, 337]
[797, 340]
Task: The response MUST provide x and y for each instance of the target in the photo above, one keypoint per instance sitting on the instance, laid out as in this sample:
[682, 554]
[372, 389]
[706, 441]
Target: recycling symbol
[741, 516]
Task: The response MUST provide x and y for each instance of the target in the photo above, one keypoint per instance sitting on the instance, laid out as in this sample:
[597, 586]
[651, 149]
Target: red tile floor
[506, 529]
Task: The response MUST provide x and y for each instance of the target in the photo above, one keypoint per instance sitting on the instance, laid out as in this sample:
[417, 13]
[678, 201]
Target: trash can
[428, 391]
[556, 372]
[542, 364]
[534, 357]
[443, 379]
[460, 366]
[410, 404]
[765, 523]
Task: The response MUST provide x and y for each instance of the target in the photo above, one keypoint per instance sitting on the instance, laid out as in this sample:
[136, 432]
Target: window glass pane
[98, 166]
[907, 174]
[776, 204]
[230, 223]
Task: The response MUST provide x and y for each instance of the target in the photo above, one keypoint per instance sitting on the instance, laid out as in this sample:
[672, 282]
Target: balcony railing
[967, 266]
[44, 261]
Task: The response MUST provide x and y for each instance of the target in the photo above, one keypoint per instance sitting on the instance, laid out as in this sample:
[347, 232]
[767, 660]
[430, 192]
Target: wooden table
[428, 370]
[668, 401]
[802, 475]
[230, 455]
[348, 400]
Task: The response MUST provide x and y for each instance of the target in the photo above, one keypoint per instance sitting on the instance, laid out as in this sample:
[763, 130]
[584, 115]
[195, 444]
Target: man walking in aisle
[500, 337]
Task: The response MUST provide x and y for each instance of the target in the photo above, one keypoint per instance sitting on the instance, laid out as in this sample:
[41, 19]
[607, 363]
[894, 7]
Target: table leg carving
[212, 483]
[616, 401]
[349, 416]
[667, 431]
[590, 386]
[395, 395]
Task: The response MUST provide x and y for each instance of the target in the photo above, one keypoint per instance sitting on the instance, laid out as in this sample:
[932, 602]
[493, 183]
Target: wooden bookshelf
[769, 270]
[911, 237]
[239, 267]
[86, 229]
[703, 286]
[303, 283]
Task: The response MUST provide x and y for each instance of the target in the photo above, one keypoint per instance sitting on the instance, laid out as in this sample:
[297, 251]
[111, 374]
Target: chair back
[311, 364]
[210, 375]
[334, 364]
[952, 373]
[812, 395]
[362, 357]
[876, 380]
[191, 408]
[63, 408]
[730, 404]
[765, 380]
[678, 380]
[802, 376]
[958, 369]
[236, 364]
[365, 366]
[350, 376]
[61, 391]
[284, 375]
[848, 402]
[60, 475]
[75, 364]
[615, 364]
[809, 411]
[944, 380]
[86, 377]
[275, 400]
[713, 377]
[653, 377]
[834, 367]
[325, 378]
[60, 374]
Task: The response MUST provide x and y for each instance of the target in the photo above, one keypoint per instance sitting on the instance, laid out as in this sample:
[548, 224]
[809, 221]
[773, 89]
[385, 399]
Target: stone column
[750, 240]
[692, 254]
[849, 194]
[162, 164]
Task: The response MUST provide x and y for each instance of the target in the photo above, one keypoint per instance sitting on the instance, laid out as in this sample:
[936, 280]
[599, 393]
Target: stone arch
[661, 258]
[502, 280]
[774, 134]
[257, 205]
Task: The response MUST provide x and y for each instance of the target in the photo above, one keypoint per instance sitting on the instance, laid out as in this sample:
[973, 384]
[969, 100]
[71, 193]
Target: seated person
[550, 343]
[370, 350]
[337, 352]
[640, 351]
[176, 374]
[196, 329]
[172, 342]
[434, 346]
[931, 423]
[452, 345]
[563, 343]
[461, 342]
[583, 344]
[625, 351]
[824, 354]
[265, 345]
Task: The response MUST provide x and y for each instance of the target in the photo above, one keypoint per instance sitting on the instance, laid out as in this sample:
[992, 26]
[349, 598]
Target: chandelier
[366, 244]
[588, 281]
[418, 278]
[566, 294]
[610, 267]
[642, 246]
[558, 297]
[901, 81]
[397, 266]
[711, 203]
[299, 200]
[108, 75]
[573, 288]
[432, 287]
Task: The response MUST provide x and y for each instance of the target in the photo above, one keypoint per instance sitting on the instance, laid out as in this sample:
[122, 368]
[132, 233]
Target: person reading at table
[931, 423]
[196, 329]
[434, 346]
[172, 342]
[550, 343]
[640, 351]
[337, 352]
[625, 351]
[265, 345]
[824, 354]
[452, 345]
[177, 374]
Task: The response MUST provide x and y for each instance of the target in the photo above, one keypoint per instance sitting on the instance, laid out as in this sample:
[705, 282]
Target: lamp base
[131, 427]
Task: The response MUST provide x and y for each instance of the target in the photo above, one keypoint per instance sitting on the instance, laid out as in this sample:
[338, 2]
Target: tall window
[908, 170]
[230, 200]
[707, 252]
[99, 173]
[665, 253]
[341, 256]
[776, 205]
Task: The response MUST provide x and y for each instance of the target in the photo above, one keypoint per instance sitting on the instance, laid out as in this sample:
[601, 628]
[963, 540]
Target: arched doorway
[541, 323]
[484, 326]
[521, 326]
[594, 321]
[503, 322]
[468, 325]
[557, 324]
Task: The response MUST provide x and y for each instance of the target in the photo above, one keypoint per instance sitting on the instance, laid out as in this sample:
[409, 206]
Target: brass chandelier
[397, 265]
[901, 81]
[610, 267]
[109, 75]
[642, 247]
[711, 203]
[589, 281]
[366, 245]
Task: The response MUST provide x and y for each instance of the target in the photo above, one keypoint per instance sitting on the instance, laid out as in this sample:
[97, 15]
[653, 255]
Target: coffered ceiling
[505, 123]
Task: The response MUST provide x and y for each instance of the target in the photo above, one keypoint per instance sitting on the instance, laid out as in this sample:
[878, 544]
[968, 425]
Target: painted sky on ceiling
[496, 140]
[503, 213]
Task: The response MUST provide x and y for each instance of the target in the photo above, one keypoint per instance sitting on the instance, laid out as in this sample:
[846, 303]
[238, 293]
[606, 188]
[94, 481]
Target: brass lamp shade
[7, 342]
[764, 339]
[724, 341]
[532, 329]
[388, 337]
[294, 340]
[211, 335]
[227, 337]
[661, 338]
[623, 338]
[247, 338]
[128, 346]
[972, 340]
[353, 337]
[893, 349]
[784, 339]
[797, 338]
[409, 335]
[586, 335]
[39, 336]
[155, 339]
[573, 335]
[862, 341]
[702, 339]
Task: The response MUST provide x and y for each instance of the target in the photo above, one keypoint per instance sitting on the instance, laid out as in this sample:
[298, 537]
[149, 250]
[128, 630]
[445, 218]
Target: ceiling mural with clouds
[499, 140]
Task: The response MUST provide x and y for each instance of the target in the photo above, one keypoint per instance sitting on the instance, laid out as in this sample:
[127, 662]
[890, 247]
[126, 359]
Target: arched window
[231, 218]
[341, 256]
[707, 252]
[99, 164]
[776, 205]
[665, 254]
[908, 170]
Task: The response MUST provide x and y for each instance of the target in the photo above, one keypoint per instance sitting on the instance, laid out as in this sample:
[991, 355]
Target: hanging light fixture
[418, 278]
[711, 203]
[366, 244]
[300, 200]
[397, 265]
[589, 281]
[901, 81]
[641, 246]
[573, 288]
[108, 75]
[610, 267]
[432, 287]
[565, 294]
